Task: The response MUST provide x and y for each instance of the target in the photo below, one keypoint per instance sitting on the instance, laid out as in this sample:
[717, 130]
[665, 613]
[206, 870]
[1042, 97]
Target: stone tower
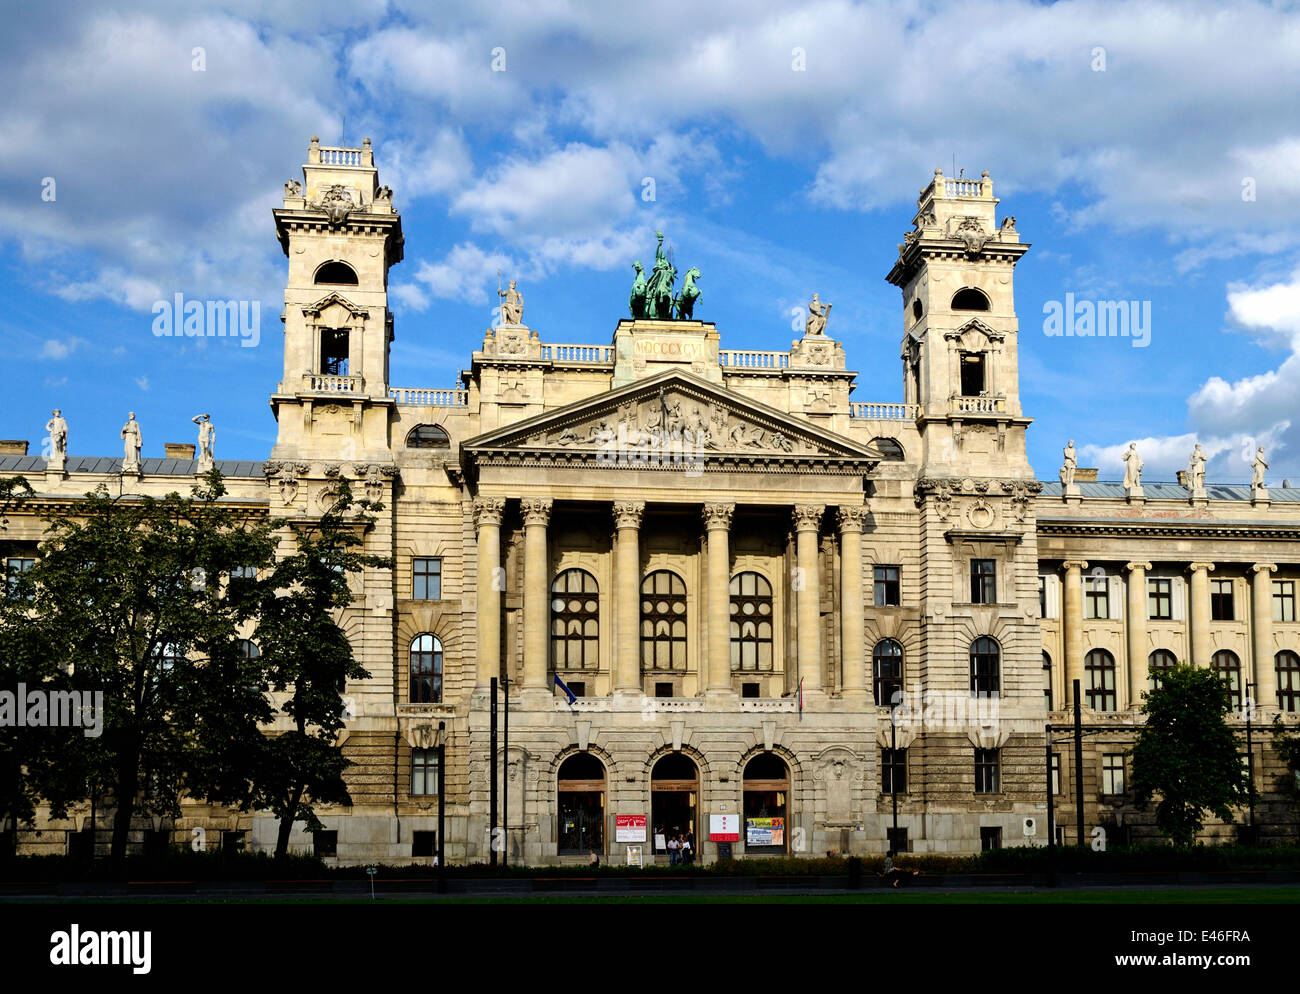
[341, 234]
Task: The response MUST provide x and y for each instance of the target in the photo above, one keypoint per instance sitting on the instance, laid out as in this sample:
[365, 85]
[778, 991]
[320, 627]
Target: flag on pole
[564, 687]
[801, 698]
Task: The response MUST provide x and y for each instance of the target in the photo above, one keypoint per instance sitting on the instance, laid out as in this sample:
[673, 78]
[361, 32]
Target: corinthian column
[1135, 622]
[1073, 623]
[491, 582]
[627, 594]
[1261, 624]
[853, 679]
[807, 587]
[537, 594]
[717, 522]
[1198, 612]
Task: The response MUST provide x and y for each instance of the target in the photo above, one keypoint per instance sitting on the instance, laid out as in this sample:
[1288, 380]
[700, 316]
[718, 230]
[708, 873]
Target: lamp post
[893, 763]
[442, 800]
[1250, 760]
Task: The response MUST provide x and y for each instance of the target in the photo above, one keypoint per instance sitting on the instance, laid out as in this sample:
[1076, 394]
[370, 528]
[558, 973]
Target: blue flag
[564, 687]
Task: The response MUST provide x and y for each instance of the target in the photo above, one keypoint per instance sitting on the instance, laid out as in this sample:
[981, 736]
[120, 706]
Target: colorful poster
[633, 855]
[724, 828]
[764, 831]
[629, 828]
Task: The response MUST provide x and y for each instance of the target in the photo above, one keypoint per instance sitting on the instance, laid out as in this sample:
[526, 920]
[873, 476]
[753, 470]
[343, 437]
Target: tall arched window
[575, 621]
[663, 621]
[1227, 667]
[1047, 681]
[985, 666]
[1099, 680]
[890, 448]
[427, 437]
[1287, 664]
[1159, 663]
[887, 670]
[751, 623]
[426, 670]
[580, 789]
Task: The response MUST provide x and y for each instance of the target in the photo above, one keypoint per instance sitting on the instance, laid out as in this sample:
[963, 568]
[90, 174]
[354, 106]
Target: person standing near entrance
[687, 851]
[674, 850]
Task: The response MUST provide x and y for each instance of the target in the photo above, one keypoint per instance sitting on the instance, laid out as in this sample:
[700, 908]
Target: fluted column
[537, 594]
[491, 582]
[717, 524]
[1261, 624]
[1072, 616]
[627, 594]
[1135, 623]
[853, 679]
[807, 584]
[1198, 612]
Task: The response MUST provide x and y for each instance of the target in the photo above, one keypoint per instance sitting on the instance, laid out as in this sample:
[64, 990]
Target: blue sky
[1121, 137]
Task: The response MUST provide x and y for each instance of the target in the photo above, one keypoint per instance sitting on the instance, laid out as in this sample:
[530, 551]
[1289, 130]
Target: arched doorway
[766, 804]
[674, 796]
[580, 784]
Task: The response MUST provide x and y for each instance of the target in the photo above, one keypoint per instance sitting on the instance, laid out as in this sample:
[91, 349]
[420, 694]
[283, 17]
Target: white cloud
[61, 348]
[463, 273]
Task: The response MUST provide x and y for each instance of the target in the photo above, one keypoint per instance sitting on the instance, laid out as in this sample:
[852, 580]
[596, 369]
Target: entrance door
[674, 801]
[580, 788]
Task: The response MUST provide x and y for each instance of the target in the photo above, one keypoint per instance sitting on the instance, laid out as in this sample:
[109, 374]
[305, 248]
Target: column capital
[718, 516]
[1144, 567]
[1076, 565]
[851, 517]
[488, 511]
[1264, 568]
[628, 513]
[536, 510]
[808, 517]
[1197, 567]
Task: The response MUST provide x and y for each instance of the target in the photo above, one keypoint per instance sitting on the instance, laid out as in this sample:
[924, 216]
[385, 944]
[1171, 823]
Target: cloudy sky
[1150, 152]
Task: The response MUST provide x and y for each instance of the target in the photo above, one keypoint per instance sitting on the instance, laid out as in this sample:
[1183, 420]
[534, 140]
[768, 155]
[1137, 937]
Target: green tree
[1286, 742]
[1187, 754]
[128, 596]
[307, 660]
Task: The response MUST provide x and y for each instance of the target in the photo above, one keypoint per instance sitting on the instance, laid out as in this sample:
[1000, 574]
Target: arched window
[1288, 681]
[969, 299]
[1047, 682]
[663, 621]
[575, 621]
[1099, 680]
[426, 670]
[336, 274]
[917, 309]
[580, 786]
[985, 666]
[427, 437]
[889, 448]
[766, 790]
[674, 797]
[1159, 663]
[887, 670]
[248, 649]
[751, 623]
[1227, 667]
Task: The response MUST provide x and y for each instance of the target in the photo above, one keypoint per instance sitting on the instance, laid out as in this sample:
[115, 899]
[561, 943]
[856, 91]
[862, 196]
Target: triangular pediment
[337, 302]
[673, 413]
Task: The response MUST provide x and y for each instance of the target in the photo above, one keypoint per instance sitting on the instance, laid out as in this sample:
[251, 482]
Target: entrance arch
[580, 789]
[766, 806]
[674, 800]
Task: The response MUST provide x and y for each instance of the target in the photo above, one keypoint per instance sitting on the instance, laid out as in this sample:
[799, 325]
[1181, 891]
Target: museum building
[699, 575]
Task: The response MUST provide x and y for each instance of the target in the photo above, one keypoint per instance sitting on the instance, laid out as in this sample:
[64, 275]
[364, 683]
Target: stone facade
[652, 497]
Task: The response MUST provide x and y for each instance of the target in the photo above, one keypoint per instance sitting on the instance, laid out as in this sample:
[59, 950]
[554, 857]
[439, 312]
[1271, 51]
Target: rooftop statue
[636, 301]
[653, 297]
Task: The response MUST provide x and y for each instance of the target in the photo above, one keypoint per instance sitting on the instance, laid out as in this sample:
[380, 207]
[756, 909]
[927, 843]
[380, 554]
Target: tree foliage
[1187, 754]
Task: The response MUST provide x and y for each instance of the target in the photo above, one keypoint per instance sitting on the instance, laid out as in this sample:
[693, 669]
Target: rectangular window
[1112, 773]
[893, 771]
[424, 772]
[1284, 600]
[664, 689]
[244, 573]
[749, 690]
[990, 838]
[986, 771]
[886, 587]
[325, 843]
[14, 569]
[426, 579]
[1221, 600]
[579, 687]
[1042, 596]
[424, 844]
[1056, 773]
[334, 352]
[1160, 598]
[983, 581]
[972, 374]
[1096, 597]
[897, 839]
